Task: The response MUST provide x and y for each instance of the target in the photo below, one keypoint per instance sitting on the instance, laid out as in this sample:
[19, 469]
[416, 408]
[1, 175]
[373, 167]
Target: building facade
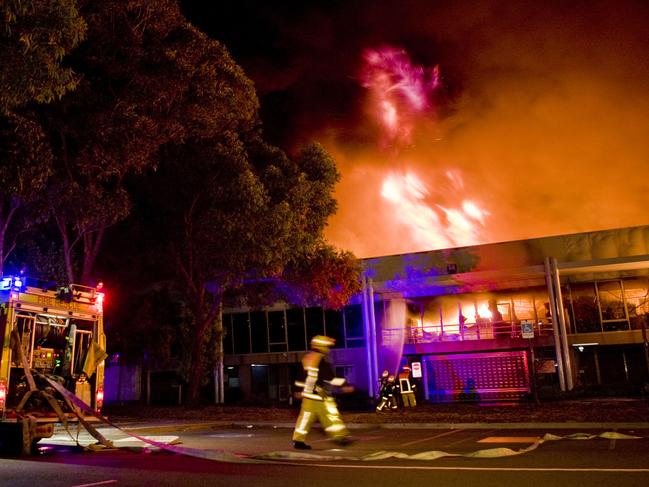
[489, 322]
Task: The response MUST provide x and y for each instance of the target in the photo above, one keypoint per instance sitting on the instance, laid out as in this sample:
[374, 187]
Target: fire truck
[49, 334]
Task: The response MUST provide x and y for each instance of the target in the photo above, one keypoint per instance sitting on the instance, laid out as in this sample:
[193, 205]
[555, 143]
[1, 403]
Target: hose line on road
[436, 454]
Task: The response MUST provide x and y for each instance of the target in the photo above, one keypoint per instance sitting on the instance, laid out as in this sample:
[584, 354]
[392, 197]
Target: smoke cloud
[538, 117]
[545, 121]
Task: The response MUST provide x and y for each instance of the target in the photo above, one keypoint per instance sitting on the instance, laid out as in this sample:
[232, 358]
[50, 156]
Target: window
[637, 301]
[241, 332]
[227, 334]
[346, 372]
[314, 322]
[334, 327]
[584, 307]
[354, 326]
[295, 326]
[611, 302]
[258, 332]
[259, 381]
[277, 331]
[432, 319]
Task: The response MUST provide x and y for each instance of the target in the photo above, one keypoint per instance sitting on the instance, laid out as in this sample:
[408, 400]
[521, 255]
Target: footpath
[573, 413]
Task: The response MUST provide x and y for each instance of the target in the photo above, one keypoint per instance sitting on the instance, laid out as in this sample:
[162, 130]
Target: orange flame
[432, 225]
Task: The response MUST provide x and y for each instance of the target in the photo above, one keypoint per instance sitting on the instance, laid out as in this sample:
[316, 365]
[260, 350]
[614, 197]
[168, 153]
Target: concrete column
[371, 379]
[555, 327]
[563, 332]
[392, 342]
[373, 330]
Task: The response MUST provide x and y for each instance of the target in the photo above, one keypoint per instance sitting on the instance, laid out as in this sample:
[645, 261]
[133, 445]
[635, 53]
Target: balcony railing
[482, 330]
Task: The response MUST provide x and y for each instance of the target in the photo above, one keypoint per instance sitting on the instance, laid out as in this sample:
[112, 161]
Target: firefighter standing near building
[407, 388]
[317, 401]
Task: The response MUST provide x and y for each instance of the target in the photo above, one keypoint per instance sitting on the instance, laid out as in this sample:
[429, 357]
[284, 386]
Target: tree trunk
[91, 245]
[4, 226]
[219, 392]
[197, 364]
[67, 249]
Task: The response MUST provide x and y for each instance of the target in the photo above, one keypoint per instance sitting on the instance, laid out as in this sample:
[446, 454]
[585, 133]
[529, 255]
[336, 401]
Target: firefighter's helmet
[322, 343]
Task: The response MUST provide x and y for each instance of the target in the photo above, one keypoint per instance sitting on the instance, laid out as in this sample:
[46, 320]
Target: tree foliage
[25, 165]
[150, 80]
[34, 38]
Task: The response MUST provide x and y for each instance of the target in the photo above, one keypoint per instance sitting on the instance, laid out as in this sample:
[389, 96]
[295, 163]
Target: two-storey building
[493, 321]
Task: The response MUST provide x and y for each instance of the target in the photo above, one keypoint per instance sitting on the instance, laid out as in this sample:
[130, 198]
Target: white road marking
[432, 437]
[103, 482]
[482, 469]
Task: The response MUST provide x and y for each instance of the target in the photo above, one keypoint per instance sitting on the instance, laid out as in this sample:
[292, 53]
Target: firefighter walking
[317, 401]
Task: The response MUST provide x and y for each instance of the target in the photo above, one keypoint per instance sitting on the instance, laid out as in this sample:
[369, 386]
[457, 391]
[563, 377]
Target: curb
[180, 427]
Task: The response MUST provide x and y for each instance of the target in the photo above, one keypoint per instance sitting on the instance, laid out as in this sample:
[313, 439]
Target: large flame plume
[400, 92]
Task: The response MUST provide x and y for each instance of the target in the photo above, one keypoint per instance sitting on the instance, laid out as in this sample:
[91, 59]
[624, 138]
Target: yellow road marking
[509, 439]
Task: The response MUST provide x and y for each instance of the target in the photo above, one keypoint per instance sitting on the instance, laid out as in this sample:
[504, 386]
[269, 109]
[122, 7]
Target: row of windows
[607, 305]
[591, 307]
[612, 305]
[291, 329]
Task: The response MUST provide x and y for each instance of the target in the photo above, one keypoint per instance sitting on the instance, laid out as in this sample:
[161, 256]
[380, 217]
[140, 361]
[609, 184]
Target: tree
[163, 120]
[243, 211]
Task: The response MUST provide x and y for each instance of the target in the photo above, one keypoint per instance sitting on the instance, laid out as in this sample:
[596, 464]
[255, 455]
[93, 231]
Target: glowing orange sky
[549, 132]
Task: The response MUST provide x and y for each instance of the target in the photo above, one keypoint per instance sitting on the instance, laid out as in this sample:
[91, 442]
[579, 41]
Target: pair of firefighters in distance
[389, 390]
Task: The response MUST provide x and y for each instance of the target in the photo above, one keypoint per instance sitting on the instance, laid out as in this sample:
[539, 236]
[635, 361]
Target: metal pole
[643, 320]
[535, 389]
[424, 365]
[555, 329]
[567, 363]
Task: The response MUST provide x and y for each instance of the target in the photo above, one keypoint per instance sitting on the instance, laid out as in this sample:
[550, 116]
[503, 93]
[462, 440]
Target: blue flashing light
[5, 283]
[18, 283]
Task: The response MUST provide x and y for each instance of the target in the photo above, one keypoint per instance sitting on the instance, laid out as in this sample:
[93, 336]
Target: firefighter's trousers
[326, 412]
[387, 402]
[408, 399]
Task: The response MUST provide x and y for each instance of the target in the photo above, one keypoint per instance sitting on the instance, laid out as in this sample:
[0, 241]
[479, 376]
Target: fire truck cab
[47, 333]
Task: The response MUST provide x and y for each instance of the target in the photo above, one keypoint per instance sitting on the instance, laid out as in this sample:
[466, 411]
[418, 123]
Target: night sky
[534, 120]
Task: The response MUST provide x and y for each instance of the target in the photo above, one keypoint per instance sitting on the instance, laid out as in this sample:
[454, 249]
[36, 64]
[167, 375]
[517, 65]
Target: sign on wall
[416, 369]
[527, 328]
